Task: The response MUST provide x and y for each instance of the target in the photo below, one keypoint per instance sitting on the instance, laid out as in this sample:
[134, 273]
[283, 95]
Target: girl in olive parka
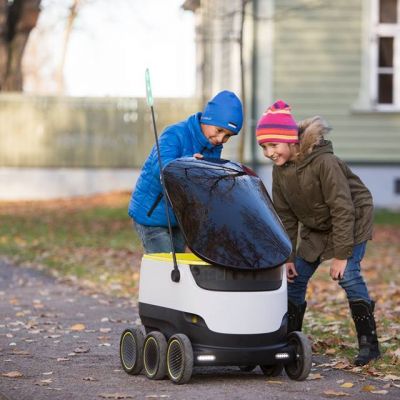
[327, 212]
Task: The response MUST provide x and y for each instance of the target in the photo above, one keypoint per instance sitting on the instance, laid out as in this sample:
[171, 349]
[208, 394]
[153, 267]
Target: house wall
[312, 54]
[318, 55]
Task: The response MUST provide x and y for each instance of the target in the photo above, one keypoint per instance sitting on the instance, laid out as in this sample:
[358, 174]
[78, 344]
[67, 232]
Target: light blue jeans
[352, 281]
[155, 239]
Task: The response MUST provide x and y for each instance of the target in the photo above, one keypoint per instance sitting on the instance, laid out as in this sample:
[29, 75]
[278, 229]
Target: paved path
[62, 343]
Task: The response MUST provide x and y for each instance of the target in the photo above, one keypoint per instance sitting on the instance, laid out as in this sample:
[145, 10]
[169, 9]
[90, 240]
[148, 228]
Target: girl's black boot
[363, 316]
[295, 316]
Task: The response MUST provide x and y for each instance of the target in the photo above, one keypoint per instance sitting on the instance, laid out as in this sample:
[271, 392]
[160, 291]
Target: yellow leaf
[330, 352]
[368, 388]
[347, 385]
[12, 374]
[78, 327]
[332, 393]
[275, 382]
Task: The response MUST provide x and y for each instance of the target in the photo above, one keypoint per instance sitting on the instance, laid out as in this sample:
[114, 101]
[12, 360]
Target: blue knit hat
[224, 111]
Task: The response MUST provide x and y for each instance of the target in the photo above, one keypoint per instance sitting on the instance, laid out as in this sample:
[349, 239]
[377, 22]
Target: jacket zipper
[155, 204]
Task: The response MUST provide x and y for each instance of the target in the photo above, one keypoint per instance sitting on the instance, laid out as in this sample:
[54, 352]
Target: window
[397, 186]
[385, 55]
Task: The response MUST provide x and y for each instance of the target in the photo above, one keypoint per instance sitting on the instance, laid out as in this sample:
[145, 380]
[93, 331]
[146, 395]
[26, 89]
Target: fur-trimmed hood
[312, 133]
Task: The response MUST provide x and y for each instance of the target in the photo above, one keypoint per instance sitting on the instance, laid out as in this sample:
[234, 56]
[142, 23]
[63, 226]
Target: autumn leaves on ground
[90, 241]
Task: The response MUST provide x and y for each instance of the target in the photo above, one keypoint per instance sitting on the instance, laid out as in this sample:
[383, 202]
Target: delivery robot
[225, 303]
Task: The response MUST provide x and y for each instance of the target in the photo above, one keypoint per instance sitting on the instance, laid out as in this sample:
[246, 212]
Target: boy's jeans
[352, 281]
[155, 239]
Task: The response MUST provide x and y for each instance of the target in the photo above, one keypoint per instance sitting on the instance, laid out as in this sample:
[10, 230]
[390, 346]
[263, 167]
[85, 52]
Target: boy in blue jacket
[201, 135]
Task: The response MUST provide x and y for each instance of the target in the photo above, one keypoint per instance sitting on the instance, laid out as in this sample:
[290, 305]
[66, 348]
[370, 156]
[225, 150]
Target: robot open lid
[225, 214]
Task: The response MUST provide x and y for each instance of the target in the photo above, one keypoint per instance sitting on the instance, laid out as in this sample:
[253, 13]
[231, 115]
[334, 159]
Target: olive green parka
[325, 208]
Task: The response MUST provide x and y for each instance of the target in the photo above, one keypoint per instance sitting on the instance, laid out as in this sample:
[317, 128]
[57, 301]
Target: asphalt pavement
[60, 341]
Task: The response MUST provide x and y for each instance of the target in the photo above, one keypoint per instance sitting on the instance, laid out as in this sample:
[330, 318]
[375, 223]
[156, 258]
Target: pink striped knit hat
[277, 125]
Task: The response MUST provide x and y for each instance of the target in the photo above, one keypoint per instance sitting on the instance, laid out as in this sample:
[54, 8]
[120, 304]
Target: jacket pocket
[155, 204]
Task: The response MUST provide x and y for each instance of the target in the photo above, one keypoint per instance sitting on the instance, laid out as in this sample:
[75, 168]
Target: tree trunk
[17, 19]
[3, 40]
[73, 13]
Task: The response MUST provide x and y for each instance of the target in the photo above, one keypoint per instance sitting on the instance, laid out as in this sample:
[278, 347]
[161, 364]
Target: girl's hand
[198, 156]
[337, 269]
[291, 272]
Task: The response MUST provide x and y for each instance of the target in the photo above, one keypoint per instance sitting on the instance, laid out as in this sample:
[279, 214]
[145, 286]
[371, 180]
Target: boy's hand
[291, 272]
[198, 156]
[337, 269]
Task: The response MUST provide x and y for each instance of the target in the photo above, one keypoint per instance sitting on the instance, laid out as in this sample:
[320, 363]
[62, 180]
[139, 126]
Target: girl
[327, 212]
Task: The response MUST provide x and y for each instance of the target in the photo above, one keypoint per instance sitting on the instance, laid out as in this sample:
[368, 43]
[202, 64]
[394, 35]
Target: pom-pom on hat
[225, 111]
[277, 125]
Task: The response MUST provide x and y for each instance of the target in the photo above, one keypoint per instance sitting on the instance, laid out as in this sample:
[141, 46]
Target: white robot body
[230, 312]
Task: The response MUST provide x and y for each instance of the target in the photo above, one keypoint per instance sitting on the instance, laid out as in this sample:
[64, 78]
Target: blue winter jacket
[180, 140]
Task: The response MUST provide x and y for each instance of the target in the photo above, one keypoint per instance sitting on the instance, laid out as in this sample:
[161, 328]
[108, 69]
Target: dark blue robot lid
[226, 214]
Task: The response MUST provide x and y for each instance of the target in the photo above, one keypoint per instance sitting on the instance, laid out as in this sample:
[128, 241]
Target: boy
[322, 202]
[202, 134]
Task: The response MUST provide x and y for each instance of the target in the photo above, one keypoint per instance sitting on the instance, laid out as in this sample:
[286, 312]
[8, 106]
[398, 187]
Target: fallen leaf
[391, 378]
[342, 364]
[44, 382]
[82, 350]
[62, 359]
[332, 393]
[274, 382]
[330, 352]
[78, 328]
[12, 374]
[90, 379]
[20, 353]
[379, 391]
[312, 377]
[368, 388]
[347, 385]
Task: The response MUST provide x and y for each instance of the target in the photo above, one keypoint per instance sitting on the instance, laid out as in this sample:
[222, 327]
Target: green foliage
[387, 217]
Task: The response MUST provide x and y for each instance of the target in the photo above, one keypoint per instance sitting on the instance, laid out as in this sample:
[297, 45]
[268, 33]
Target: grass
[92, 240]
[89, 240]
[387, 217]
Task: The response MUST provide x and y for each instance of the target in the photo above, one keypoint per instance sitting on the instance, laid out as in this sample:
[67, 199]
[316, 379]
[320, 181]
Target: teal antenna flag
[175, 274]
[149, 95]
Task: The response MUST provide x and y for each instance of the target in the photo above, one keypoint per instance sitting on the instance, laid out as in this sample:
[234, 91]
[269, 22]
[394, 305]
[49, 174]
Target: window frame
[384, 30]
